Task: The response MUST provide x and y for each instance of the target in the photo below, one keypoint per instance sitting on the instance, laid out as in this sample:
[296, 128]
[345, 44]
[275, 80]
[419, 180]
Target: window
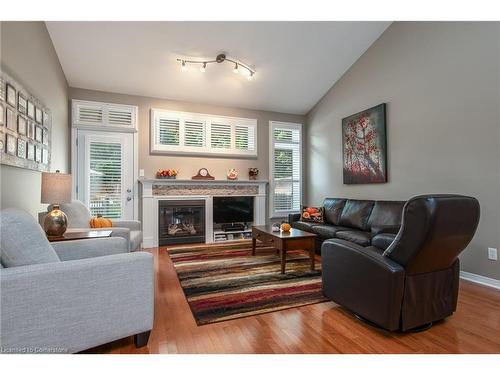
[104, 115]
[285, 167]
[194, 133]
[105, 179]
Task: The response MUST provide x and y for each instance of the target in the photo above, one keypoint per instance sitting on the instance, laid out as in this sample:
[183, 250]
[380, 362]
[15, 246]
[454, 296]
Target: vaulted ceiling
[296, 62]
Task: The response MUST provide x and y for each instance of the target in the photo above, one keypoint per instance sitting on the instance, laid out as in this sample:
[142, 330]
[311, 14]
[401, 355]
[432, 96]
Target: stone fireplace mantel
[154, 190]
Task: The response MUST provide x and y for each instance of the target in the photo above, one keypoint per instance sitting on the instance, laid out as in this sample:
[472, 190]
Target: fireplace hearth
[181, 221]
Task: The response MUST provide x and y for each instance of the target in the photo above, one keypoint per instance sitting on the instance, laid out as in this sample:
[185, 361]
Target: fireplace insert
[181, 221]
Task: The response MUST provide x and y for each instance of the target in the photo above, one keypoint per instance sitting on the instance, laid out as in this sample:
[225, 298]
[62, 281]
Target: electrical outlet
[492, 253]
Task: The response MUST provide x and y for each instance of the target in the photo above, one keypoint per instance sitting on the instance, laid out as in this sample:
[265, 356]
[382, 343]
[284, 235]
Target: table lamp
[56, 189]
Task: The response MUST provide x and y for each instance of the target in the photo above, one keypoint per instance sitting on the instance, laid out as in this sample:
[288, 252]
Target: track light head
[236, 68]
[183, 66]
[203, 67]
[250, 76]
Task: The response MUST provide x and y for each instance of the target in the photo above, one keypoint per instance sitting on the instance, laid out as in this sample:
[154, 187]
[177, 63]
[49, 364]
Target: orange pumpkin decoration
[100, 222]
[285, 227]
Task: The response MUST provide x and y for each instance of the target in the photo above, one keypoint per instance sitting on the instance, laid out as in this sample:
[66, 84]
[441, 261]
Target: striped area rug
[223, 282]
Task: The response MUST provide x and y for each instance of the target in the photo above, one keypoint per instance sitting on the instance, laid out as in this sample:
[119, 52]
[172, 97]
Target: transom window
[285, 167]
[195, 133]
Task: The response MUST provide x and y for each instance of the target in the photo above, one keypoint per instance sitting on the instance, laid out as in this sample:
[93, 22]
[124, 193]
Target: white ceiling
[296, 62]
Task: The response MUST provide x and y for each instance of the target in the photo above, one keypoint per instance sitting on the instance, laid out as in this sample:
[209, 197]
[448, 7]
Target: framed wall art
[21, 148]
[11, 95]
[11, 144]
[24, 144]
[22, 104]
[31, 110]
[31, 152]
[10, 119]
[38, 115]
[364, 147]
[21, 124]
[2, 114]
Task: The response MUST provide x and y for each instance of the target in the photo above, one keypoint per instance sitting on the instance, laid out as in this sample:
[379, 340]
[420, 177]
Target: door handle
[129, 190]
[129, 199]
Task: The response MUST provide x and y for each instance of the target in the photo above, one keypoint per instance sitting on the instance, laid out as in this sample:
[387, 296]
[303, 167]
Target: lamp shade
[56, 187]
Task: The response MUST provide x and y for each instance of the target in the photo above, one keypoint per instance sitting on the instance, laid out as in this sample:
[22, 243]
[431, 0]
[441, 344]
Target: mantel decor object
[56, 189]
[170, 174]
[203, 175]
[232, 174]
[253, 173]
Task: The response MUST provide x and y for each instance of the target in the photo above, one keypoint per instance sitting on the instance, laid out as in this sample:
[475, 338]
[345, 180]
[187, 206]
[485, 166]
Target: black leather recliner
[414, 282]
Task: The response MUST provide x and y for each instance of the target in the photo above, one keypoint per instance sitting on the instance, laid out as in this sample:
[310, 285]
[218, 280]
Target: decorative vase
[232, 174]
[253, 173]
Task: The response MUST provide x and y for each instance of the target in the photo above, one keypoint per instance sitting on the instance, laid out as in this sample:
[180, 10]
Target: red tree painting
[364, 147]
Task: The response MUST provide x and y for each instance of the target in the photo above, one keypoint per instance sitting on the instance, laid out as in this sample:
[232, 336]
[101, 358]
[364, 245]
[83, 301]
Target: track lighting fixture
[239, 67]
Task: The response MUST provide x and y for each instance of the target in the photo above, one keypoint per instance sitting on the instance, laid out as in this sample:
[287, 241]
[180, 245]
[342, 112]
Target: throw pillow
[312, 214]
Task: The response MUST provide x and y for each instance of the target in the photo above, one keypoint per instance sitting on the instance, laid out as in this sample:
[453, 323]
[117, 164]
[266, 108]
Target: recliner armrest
[90, 248]
[130, 224]
[293, 217]
[364, 281]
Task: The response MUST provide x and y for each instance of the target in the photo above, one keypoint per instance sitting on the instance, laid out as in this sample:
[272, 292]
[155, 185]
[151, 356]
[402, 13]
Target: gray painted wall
[189, 165]
[441, 83]
[27, 54]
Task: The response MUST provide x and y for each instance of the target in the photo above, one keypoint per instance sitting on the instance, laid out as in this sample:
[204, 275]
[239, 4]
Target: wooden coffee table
[284, 241]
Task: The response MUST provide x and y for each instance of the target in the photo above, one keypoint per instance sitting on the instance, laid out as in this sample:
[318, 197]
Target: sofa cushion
[22, 240]
[386, 214]
[325, 231]
[302, 225]
[356, 236]
[333, 209]
[383, 240]
[356, 213]
[312, 214]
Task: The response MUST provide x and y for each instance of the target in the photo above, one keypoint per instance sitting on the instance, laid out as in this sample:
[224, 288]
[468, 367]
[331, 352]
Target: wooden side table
[83, 235]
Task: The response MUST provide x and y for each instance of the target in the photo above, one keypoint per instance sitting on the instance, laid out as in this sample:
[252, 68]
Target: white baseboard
[483, 280]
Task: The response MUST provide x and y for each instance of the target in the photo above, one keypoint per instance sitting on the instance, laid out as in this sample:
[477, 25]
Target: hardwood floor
[320, 328]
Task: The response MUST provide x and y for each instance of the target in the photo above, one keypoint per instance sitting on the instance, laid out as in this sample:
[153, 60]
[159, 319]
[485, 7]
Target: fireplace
[181, 221]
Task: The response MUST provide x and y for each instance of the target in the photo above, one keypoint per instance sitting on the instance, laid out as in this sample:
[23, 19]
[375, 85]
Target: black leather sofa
[413, 281]
[363, 222]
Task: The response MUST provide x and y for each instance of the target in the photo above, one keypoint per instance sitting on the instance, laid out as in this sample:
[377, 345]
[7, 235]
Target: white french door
[105, 173]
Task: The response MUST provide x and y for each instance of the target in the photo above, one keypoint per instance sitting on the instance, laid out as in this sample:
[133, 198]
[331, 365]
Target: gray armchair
[69, 296]
[79, 218]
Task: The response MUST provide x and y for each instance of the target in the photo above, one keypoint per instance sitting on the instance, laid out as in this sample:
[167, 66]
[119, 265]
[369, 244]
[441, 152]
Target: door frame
[135, 168]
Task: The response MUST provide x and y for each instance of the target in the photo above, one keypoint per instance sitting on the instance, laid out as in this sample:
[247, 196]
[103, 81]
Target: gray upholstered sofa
[79, 218]
[69, 296]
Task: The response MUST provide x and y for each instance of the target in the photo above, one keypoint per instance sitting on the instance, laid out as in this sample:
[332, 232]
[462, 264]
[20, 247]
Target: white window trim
[272, 184]
[206, 150]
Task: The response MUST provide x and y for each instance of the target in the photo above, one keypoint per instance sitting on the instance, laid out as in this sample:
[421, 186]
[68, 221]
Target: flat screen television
[229, 210]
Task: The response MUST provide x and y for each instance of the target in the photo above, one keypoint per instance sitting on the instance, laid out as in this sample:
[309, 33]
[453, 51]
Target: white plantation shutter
[90, 114]
[286, 167]
[194, 134]
[220, 136]
[168, 132]
[120, 116]
[105, 179]
[245, 138]
[104, 115]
